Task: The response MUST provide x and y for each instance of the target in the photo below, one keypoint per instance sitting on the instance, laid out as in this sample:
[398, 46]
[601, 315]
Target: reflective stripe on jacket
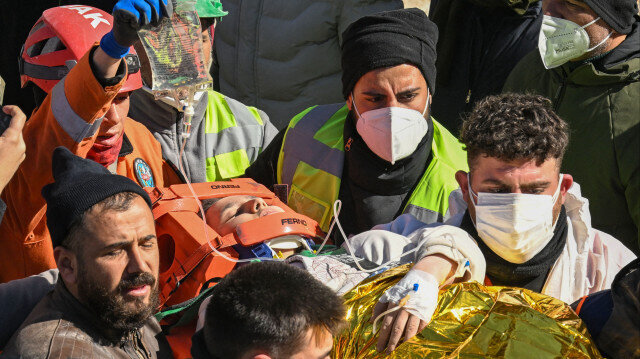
[233, 137]
[312, 157]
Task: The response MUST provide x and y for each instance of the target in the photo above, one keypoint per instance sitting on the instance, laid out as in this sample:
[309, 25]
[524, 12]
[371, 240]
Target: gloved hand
[129, 16]
[414, 315]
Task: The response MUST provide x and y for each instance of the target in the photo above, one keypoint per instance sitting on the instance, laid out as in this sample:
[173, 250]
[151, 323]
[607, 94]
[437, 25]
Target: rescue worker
[226, 136]
[588, 64]
[106, 249]
[529, 219]
[85, 111]
[12, 147]
[381, 153]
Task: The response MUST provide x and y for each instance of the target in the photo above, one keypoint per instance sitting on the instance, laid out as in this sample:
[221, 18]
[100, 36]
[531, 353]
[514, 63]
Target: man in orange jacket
[84, 111]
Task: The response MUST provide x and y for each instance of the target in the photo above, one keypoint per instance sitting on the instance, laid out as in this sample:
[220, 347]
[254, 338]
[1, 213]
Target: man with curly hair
[529, 220]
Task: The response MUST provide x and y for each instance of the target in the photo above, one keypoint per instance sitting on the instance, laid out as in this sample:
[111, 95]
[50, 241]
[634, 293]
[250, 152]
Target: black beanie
[619, 14]
[79, 184]
[389, 38]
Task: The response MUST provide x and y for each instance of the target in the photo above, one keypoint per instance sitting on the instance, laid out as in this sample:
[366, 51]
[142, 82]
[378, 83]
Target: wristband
[110, 46]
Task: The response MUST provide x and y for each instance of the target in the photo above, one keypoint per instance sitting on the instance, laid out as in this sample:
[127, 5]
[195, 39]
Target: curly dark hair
[514, 126]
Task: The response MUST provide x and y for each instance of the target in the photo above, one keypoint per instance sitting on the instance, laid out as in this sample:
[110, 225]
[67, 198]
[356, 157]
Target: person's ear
[463, 182]
[567, 182]
[67, 264]
[350, 102]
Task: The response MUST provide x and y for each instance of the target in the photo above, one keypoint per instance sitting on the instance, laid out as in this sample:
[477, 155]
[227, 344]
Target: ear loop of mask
[426, 105]
[603, 40]
[471, 193]
[353, 101]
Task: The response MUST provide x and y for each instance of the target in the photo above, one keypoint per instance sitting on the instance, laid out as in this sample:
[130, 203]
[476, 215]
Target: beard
[110, 306]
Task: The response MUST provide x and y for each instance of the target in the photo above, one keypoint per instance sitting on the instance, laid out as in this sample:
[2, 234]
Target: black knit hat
[79, 184]
[389, 38]
[619, 14]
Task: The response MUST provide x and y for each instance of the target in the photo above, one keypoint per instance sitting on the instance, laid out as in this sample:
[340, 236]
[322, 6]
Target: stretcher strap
[187, 267]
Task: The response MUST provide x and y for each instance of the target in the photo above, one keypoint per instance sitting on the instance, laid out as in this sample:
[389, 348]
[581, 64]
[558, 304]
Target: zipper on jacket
[560, 93]
[138, 346]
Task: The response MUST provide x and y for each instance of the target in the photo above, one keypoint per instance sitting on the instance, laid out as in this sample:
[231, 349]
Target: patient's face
[231, 211]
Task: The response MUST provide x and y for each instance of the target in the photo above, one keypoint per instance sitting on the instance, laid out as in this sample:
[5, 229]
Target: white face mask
[392, 133]
[562, 40]
[516, 226]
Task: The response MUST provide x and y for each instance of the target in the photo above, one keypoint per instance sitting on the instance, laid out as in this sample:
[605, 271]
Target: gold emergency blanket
[471, 321]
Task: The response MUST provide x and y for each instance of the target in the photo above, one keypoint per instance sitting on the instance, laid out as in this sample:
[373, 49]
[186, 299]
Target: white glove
[421, 303]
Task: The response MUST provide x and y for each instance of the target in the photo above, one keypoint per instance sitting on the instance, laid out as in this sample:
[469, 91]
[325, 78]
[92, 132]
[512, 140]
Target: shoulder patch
[143, 173]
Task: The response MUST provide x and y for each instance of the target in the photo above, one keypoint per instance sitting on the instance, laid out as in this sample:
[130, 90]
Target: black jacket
[477, 49]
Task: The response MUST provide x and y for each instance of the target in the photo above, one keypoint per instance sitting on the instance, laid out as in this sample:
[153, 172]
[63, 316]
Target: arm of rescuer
[68, 116]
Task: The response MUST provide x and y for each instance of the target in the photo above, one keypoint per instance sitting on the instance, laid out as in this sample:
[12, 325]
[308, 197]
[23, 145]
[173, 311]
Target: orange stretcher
[188, 264]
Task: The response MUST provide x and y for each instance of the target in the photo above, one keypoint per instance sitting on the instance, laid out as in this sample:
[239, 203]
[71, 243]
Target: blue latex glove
[129, 17]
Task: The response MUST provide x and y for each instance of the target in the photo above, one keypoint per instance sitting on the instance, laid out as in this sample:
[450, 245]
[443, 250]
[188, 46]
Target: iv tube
[337, 205]
[188, 115]
[401, 304]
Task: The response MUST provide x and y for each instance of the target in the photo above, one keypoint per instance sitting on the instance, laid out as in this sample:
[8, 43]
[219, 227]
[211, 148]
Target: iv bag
[175, 52]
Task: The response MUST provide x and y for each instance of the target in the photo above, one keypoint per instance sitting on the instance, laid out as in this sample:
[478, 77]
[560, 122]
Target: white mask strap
[557, 193]
[591, 23]
[471, 193]
[426, 104]
[601, 42]
[353, 101]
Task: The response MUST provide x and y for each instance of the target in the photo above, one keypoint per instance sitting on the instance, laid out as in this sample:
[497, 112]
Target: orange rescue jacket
[69, 116]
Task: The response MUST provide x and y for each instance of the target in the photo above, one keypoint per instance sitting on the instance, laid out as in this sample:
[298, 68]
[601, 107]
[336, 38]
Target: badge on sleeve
[143, 173]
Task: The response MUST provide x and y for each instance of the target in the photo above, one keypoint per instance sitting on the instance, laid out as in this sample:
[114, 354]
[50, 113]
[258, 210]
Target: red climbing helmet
[60, 38]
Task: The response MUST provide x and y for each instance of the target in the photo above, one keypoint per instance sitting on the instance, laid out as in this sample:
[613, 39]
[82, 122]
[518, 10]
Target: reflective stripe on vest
[233, 137]
[312, 157]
